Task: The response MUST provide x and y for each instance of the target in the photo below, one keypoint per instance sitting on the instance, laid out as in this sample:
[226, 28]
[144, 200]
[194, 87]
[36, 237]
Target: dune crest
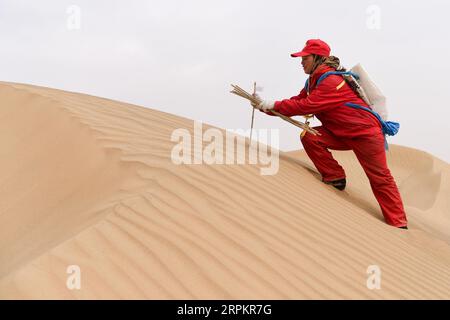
[88, 181]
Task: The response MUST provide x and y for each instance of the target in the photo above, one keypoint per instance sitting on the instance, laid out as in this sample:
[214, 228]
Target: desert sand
[88, 181]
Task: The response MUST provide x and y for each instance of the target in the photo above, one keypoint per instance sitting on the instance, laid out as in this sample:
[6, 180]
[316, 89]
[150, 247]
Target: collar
[320, 70]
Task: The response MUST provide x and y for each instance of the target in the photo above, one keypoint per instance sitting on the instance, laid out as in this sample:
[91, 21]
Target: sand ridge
[88, 181]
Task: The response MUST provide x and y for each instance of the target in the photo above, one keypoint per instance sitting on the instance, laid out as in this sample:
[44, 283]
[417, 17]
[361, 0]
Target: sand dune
[89, 181]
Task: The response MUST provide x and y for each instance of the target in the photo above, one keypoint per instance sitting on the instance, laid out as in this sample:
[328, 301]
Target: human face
[307, 63]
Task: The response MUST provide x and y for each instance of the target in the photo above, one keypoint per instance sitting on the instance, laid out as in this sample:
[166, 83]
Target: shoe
[338, 184]
[404, 227]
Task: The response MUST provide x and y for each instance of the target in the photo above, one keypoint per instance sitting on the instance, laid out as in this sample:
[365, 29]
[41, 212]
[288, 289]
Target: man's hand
[266, 105]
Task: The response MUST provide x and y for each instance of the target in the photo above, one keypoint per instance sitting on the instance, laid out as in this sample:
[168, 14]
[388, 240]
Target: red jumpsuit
[346, 128]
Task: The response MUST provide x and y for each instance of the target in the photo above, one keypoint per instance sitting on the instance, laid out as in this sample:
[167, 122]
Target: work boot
[338, 184]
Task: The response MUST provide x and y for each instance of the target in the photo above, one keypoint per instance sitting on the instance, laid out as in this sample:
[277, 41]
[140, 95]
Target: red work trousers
[371, 154]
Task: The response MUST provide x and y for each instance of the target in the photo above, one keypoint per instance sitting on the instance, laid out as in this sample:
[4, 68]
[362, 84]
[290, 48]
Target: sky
[181, 56]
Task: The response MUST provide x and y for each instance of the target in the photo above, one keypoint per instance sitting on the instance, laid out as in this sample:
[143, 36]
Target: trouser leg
[317, 149]
[371, 154]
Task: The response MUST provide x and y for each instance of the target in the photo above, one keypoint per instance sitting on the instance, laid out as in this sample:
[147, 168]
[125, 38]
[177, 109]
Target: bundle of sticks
[256, 101]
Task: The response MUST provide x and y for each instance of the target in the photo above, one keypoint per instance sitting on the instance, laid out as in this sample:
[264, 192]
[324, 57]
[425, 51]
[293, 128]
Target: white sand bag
[376, 98]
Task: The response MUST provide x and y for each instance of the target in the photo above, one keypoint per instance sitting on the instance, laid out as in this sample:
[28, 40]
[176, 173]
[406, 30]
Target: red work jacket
[326, 101]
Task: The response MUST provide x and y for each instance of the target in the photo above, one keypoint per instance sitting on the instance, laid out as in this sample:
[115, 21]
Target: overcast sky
[181, 56]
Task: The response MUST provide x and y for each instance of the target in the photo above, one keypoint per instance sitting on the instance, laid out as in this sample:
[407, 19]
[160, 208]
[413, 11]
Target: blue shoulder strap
[329, 73]
[342, 73]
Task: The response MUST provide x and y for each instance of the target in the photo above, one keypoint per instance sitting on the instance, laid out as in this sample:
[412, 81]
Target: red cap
[314, 46]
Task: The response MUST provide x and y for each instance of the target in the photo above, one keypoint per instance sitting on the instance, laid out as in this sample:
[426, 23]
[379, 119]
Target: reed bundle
[256, 101]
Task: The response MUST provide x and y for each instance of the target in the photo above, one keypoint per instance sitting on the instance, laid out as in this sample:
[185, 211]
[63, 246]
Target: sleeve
[300, 96]
[324, 97]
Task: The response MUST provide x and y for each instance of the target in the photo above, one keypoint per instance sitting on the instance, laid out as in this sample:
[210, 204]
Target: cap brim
[300, 54]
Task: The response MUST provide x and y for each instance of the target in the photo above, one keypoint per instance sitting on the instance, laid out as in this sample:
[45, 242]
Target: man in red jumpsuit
[343, 128]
